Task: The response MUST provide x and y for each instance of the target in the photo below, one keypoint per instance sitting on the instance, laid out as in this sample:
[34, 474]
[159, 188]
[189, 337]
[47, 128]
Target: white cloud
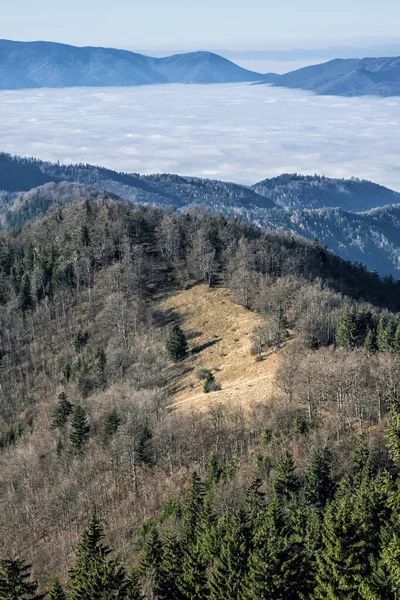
[240, 133]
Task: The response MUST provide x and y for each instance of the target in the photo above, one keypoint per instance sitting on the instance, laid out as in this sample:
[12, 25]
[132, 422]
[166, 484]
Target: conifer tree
[193, 507]
[215, 471]
[177, 345]
[25, 301]
[96, 576]
[254, 504]
[151, 560]
[144, 447]
[111, 425]
[286, 482]
[349, 540]
[210, 384]
[396, 341]
[362, 464]
[62, 411]
[369, 342]
[85, 235]
[193, 581]
[390, 334]
[318, 487]
[391, 559]
[162, 562]
[56, 591]
[80, 430]
[276, 562]
[346, 329]
[230, 565]
[15, 581]
[196, 531]
[171, 568]
[381, 337]
[133, 589]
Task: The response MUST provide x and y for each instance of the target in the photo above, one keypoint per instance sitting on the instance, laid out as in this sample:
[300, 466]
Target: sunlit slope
[219, 333]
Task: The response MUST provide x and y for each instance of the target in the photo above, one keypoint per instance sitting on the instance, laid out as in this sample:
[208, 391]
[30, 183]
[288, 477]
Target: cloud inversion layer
[241, 133]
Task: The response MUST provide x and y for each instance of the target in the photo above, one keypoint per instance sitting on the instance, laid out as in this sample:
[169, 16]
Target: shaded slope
[348, 77]
[311, 191]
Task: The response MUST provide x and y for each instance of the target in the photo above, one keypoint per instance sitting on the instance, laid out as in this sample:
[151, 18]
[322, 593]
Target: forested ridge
[294, 496]
[356, 219]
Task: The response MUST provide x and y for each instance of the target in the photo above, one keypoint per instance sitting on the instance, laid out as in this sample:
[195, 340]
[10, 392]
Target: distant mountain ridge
[358, 220]
[312, 191]
[26, 65]
[347, 77]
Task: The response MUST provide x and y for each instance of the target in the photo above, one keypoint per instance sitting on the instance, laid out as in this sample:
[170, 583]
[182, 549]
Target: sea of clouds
[239, 132]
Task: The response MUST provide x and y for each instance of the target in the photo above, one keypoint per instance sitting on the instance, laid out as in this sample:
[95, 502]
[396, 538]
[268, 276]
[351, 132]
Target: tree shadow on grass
[198, 349]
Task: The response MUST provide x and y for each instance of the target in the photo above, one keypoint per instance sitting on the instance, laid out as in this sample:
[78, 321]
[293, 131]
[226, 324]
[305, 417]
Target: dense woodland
[296, 497]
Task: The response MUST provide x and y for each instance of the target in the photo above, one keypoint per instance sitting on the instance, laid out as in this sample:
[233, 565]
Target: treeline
[365, 328]
[287, 536]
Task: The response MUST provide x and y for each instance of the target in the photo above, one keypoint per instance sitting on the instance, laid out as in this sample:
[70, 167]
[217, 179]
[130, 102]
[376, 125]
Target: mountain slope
[22, 175]
[202, 67]
[49, 64]
[334, 211]
[372, 238]
[311, 191]
[89, 295]
[347, 77]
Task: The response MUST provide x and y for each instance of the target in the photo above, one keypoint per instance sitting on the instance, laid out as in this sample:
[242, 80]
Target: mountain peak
[50, 64]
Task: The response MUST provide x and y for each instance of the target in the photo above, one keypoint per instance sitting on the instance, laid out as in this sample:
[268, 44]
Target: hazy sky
[189, 24]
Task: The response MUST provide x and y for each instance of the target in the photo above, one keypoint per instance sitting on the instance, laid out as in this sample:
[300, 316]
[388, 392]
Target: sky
[200, 24]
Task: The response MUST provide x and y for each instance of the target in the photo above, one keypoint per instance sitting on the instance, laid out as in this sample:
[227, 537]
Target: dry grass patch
[219, 333]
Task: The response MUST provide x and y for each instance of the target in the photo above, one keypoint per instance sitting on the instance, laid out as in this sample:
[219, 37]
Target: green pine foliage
[96, 575]
[348, 544]
[346, 329]
[62, 411]
[133, 589]
[275, 564]
[210, 384]
[381, 335]
[25, 300]
[56, 591]
[286, 482]
[396, 341]
[15, 581]
[193, 582]
[11, 435]
[162, 561]
[177, 346]
[110, 427]
[80, 430]
[230, 565]
[370, 342]
[318, 487]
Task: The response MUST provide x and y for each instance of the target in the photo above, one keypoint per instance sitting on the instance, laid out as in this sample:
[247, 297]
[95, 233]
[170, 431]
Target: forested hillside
[311, 191]
[311, 206]
[289, 493]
